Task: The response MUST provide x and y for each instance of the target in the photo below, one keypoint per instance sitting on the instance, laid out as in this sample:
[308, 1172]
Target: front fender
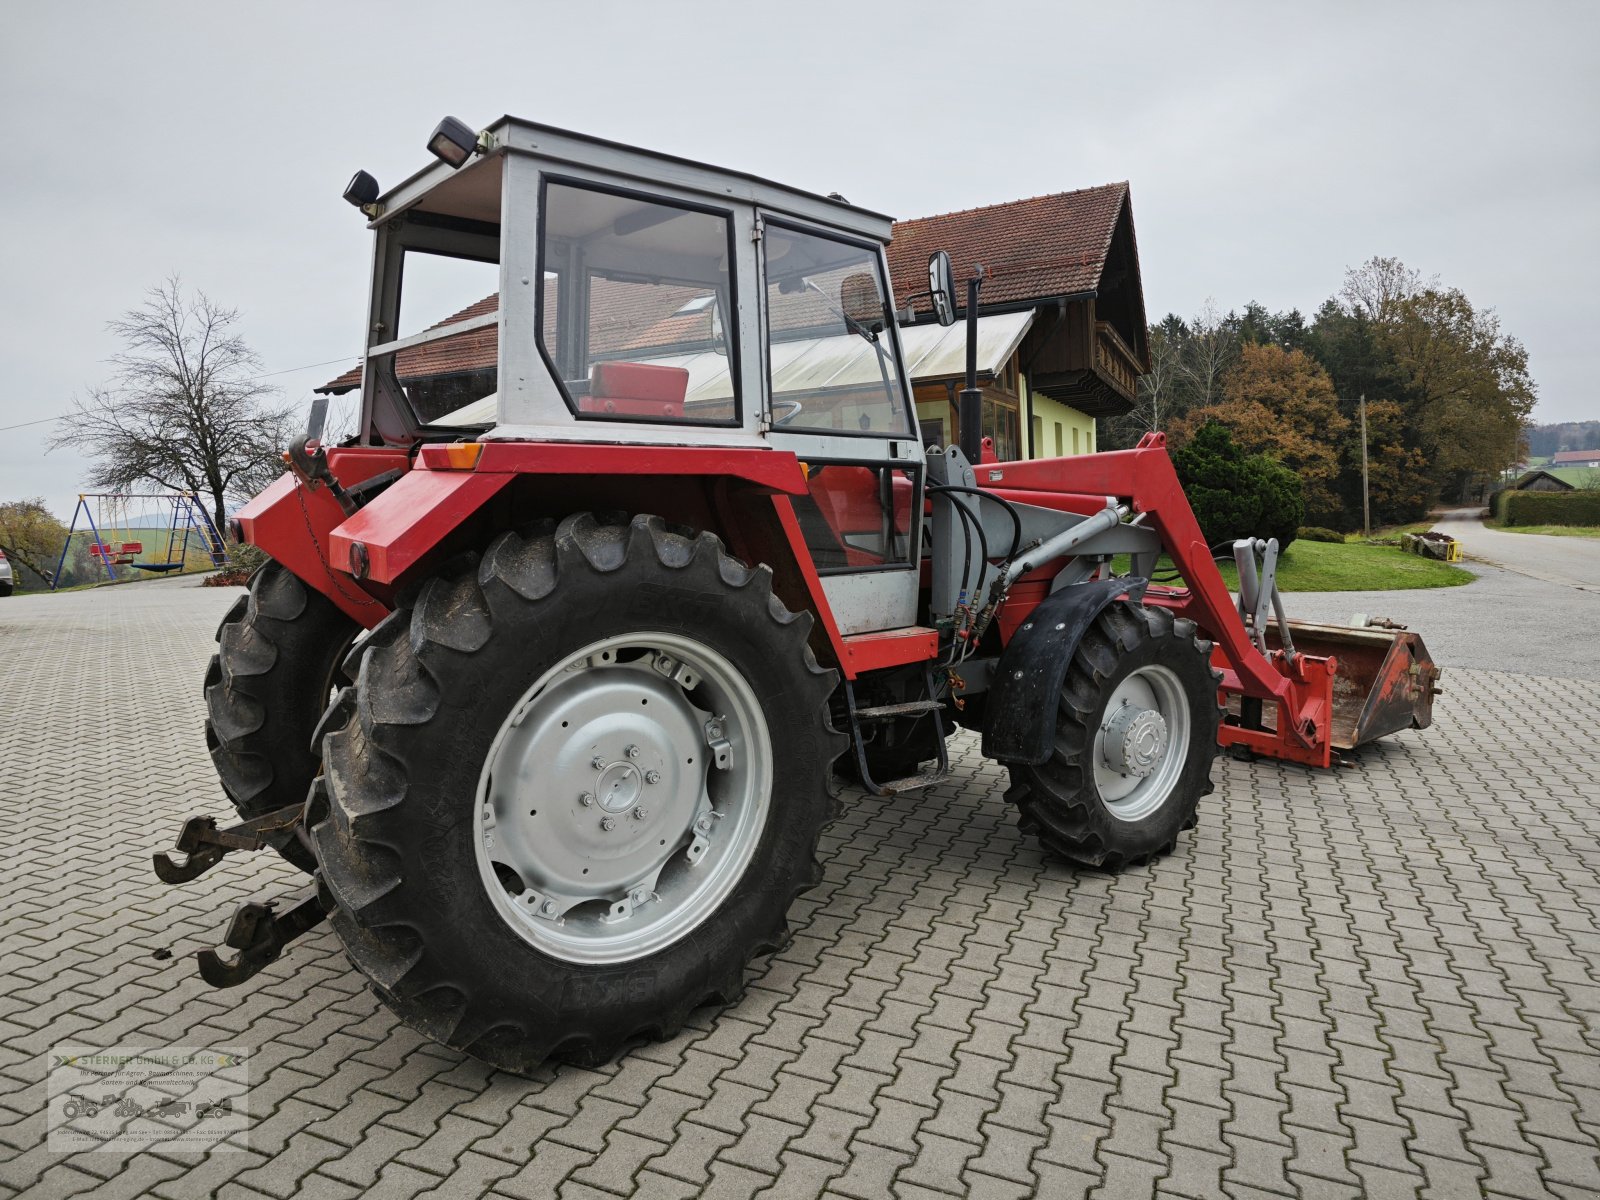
[1020, 710]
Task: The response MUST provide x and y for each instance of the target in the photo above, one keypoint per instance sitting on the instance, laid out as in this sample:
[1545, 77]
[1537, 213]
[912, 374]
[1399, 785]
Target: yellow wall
[1056, 419]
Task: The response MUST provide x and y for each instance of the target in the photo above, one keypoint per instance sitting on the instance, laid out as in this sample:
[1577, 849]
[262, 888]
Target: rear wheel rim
[623, 798]
[1141, 743]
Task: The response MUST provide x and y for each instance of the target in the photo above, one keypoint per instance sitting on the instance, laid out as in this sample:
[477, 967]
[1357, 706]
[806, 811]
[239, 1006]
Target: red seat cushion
[636, 390]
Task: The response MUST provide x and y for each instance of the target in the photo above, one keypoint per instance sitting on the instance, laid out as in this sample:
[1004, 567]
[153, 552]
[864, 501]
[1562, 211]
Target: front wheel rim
[623, 797]
[1141, 743]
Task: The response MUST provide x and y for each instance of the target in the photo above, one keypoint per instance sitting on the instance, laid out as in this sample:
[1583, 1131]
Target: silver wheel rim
[623, 797]
[1141, 743]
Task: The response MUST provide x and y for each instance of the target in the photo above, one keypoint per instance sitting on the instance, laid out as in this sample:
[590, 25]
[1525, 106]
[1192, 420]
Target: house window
[1000, 423]
[1058, 440]
[1075, 441]
[1035, 438]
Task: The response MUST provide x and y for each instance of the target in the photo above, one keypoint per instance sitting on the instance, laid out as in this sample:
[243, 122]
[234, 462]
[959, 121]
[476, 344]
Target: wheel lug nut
[586, 799]
[640, 814]
[550, 907]
[607, 824]
[632, 752]
[598, 763]
[652, 776]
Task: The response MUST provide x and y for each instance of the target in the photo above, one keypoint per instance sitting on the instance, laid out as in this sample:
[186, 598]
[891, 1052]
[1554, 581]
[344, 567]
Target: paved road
[1508, 620]
[1501, 622]
[1567, 561]
[1373, 982]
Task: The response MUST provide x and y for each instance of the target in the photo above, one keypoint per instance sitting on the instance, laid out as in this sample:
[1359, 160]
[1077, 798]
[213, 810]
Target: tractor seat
[636, 390]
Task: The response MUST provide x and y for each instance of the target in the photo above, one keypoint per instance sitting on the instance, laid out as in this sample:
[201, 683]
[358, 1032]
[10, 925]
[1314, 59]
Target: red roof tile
[1032, 249]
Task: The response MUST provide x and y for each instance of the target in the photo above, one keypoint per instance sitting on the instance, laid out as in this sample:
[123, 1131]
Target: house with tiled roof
[1576, 458]
[1061, 330]
[1066, 266]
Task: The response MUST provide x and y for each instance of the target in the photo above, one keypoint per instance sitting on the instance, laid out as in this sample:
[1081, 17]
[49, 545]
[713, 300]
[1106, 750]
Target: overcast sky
[1269, 147]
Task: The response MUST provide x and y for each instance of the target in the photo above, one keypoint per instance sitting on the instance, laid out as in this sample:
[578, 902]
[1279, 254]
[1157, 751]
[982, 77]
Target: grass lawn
[1584, 531]
[1346, 567]
[1356, 567]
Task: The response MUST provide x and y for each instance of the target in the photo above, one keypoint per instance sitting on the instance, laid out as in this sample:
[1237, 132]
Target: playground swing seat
[118, 554]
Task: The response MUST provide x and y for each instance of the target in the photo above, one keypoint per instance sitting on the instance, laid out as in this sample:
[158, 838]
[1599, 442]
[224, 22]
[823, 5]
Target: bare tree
[1212, 348]
[1373, 289]
[185, 408]
[1153, 405]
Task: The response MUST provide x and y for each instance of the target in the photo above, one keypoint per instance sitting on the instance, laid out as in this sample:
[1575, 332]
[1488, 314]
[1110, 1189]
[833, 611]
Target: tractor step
[204, 845]
[928, 705]
[884, 712]
[912, 783]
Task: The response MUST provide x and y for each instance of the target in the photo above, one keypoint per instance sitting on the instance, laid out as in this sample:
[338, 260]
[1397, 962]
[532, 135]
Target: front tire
[626, 676]
[1136, 734]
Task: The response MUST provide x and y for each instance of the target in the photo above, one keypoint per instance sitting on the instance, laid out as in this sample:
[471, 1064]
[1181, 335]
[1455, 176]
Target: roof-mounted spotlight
[453, 142]
[362, 192]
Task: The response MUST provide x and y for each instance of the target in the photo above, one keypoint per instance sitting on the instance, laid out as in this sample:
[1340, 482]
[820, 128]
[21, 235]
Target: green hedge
[1550, 508]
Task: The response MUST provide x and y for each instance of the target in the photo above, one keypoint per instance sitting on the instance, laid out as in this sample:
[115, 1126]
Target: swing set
[115, 539]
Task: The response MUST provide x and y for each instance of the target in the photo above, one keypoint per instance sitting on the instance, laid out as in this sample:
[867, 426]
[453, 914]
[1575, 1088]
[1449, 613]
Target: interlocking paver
[1379, 981]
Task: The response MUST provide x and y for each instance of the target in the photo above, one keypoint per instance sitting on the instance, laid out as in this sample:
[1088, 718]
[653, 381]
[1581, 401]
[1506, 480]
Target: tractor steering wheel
[795, 408]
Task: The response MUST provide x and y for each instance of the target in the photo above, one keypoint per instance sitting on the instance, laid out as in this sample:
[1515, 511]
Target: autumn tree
[31, 537]
[185, 408]
[1280, 403]
[1399, 487]
[1468, 380]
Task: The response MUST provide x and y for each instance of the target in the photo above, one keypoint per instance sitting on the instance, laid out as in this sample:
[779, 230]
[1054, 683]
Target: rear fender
[294, 524]
[1020, 711]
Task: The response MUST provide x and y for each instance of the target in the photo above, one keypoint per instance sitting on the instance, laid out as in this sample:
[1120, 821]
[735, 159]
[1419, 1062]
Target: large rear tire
[277, 665]
[576, 788]
[1136, 734]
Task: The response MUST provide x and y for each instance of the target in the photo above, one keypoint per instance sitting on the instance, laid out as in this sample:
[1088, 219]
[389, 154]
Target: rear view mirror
[942, 287]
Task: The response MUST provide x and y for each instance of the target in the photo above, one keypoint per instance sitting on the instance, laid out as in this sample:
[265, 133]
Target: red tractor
[555, 661]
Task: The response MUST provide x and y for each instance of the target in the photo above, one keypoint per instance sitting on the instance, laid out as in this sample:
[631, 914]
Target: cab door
[837, 396]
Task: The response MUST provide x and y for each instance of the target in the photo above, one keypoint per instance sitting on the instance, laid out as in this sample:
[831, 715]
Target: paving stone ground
[1378, 981]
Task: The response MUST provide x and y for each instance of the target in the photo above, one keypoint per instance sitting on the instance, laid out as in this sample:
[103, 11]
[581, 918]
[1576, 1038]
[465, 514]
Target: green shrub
[1235, 495]
[1316, 533]
[1550, 508]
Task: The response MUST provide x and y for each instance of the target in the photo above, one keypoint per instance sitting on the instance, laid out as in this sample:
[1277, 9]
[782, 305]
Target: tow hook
[259, 935]
[204, 845]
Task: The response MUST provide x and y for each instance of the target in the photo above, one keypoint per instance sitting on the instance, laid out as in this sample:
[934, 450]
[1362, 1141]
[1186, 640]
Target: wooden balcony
[1102, 372]
[1115, 362]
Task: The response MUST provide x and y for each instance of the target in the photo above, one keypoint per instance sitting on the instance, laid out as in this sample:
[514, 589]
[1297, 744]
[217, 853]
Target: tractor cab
[552, 287]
